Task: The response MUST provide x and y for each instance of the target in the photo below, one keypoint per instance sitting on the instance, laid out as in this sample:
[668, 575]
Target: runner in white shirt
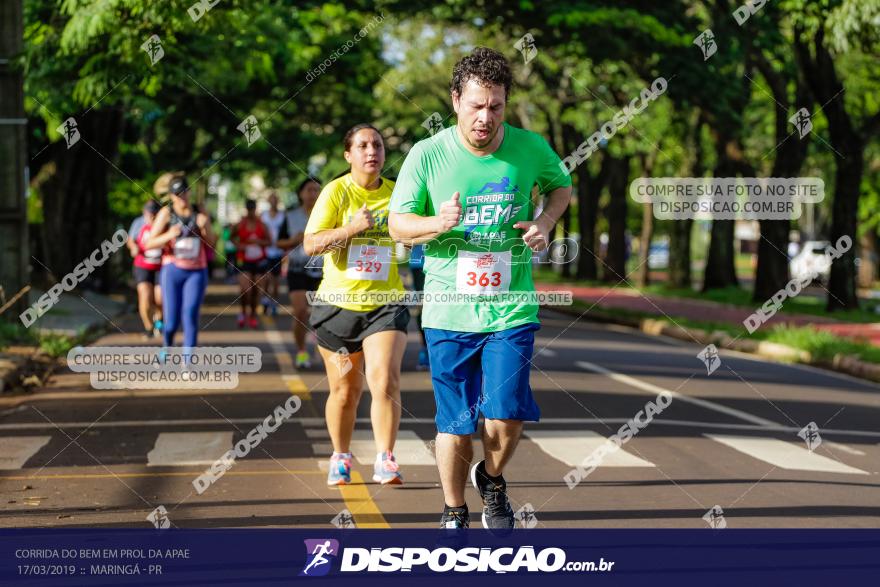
[273, 219]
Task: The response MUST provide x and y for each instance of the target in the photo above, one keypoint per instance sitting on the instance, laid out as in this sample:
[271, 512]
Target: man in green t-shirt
[466, 193]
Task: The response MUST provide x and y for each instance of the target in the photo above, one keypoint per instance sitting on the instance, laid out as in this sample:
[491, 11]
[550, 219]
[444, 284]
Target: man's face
[480, 112]
[273, 201]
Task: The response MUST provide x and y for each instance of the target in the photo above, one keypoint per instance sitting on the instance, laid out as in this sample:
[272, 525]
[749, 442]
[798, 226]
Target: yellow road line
[297, 386]
[165, 474]
[361, 505]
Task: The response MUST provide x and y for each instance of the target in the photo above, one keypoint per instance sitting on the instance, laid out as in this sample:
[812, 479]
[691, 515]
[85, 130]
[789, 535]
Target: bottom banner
[329, 557]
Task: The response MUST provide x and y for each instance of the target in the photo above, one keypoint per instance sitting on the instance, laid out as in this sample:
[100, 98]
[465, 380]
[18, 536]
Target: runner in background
[273, 219]
[303, 272]
[147, 263]
[361, 327]
[229, 253]
[251, 238]
[417, 269]
[185, 234]
[467, 192]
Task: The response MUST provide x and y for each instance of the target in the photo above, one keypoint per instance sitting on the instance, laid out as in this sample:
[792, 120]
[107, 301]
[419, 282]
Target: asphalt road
[71, 456]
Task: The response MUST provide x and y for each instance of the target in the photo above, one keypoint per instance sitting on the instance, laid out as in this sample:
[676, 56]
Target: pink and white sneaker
[386, 470]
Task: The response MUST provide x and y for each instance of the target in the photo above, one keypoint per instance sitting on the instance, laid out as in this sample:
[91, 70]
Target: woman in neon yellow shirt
[358, 320]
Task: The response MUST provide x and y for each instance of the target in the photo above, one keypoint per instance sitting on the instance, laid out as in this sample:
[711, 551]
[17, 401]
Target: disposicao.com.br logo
[442, 559]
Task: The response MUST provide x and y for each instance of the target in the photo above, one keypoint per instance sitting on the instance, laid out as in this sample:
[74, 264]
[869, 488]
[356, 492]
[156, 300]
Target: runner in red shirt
[251, 238]
[147, 264]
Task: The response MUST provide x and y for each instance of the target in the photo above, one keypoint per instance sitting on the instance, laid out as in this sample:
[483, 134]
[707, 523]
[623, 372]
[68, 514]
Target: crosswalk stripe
[573, 447]
[16, 450]
[182, 449]
[785, 455]
[656, 389]
[408, 450]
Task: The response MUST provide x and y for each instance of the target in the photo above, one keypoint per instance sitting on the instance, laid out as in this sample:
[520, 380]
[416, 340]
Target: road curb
[11, 369]
[777, 352]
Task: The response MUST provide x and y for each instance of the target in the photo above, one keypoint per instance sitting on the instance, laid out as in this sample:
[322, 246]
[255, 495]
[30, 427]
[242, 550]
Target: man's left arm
[538, 231]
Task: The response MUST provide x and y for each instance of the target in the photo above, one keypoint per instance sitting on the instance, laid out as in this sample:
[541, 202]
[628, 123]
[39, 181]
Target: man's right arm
[412, 229]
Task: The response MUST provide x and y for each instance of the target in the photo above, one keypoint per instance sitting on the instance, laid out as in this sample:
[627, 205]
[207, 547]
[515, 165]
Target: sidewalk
[73, 315]
[610, 298]
[77, 312]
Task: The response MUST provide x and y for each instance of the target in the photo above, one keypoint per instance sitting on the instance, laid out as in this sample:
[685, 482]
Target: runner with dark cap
[185, 234]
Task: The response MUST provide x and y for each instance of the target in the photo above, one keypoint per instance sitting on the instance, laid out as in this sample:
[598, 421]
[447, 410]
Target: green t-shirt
[484, 259]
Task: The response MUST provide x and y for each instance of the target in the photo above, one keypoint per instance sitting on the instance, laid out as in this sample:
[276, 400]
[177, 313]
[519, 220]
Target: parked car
[658, 255]
[811, 259]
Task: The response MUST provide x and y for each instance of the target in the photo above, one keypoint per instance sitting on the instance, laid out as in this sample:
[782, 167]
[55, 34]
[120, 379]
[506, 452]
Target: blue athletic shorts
[481, 372]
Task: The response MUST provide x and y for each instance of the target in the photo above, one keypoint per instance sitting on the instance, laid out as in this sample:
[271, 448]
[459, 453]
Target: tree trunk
[850, 154]
[615, 259]
[589, 189]
[721, 260]
[644, 276]
[679, 270]
[771, 274]
[74, 194]
[14, 256]
[847, 180]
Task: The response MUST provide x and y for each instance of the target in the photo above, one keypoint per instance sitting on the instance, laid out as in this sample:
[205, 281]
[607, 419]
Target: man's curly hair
[485, 66]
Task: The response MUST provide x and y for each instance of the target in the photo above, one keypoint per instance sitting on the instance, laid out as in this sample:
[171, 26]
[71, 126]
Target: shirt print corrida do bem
[483, 257]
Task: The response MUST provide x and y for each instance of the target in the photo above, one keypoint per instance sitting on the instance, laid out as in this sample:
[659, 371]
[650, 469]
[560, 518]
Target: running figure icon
[319, 553]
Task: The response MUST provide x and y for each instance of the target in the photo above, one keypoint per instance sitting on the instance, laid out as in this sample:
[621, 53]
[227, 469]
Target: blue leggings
[182, 294]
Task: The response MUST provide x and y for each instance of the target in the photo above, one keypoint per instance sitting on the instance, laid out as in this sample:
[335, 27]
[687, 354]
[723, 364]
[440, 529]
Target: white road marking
[180, 449]
[785, 455]
[16, 450]
[545, 352]
[318, 421]
[408, 450]
[845, 448]
[573, 447]
[321, 433]
[656, 390]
